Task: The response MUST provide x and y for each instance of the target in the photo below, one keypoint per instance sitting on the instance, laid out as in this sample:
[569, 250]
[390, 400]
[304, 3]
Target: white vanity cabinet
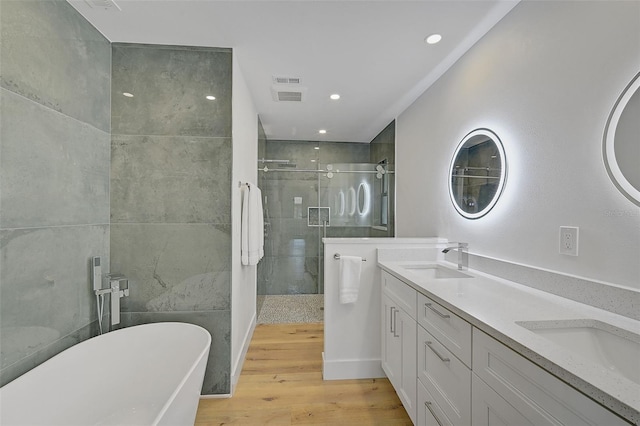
[399, 339]
[523, 391]
[448, 372]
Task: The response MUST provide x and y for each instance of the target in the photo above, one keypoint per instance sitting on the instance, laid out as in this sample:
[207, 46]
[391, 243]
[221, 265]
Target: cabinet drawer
[445, 377]
[451, 330]
[429, 412]
[400, 292]
[490, 409]
[535, 393]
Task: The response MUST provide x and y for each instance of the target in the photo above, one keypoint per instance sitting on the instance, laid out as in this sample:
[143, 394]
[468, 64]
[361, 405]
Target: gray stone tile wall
[170, 179]
[170, 85]
[55, 169]
[171, 190]
[383, 147]
[54, 178]
[344, 152]
[53, 56]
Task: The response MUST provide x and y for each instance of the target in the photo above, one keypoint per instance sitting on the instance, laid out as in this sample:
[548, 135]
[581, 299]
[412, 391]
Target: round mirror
[621, 147]
[477, 173]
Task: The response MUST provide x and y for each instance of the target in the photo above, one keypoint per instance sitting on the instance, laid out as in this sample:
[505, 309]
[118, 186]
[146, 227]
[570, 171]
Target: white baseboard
[351, 369]
[245, 347]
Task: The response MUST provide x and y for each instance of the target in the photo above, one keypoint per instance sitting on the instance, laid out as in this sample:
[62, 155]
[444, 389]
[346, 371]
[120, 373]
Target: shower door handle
[324, 229]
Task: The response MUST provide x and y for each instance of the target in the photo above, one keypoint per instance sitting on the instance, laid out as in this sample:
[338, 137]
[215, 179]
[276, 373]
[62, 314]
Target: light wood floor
[281, 384]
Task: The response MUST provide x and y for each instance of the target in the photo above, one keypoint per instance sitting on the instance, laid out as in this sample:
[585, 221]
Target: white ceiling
[370, 52]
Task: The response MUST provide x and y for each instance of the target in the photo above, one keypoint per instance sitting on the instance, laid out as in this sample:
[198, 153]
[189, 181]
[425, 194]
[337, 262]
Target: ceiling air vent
[284, 93]
[290, 96]
[286, 80]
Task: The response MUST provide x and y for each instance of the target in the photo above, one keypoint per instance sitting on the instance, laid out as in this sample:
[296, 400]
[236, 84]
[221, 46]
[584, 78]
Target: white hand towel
[252, 226]
[350, 267]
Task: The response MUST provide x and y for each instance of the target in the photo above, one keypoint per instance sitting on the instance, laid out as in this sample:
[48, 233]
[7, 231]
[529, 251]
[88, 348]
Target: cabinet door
[391, 349]
[406, 329]
[399, 352]
[490, 409]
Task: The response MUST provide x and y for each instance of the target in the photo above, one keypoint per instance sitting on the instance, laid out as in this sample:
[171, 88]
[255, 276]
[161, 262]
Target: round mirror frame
[503, 172]
[608, 145]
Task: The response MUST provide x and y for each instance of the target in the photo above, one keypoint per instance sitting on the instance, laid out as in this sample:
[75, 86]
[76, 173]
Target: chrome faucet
[118, 288]
[463, 254]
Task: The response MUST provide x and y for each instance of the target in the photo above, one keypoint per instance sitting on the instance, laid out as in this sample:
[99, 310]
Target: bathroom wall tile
[384, 144]
[169, 85]
[45, 285]
[291, 275]
[283, 174]
[54, 169]
[170, 179]
[43, 351]
[218, 324]
[53, 56]
[298, 152]
[292, 237]
[282, 196]
[344, 152]
[348, 231]
[173, 266]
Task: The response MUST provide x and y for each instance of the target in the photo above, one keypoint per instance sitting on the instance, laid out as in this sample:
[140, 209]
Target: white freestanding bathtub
[144, 375]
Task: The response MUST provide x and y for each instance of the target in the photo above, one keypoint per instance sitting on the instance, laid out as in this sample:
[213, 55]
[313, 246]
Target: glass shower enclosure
[301, 206]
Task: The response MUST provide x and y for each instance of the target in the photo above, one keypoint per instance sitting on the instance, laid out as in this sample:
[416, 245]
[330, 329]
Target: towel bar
[337, 257]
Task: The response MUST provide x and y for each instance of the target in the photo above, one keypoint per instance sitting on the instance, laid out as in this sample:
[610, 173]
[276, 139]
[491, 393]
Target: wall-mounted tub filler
[118, 287]
[463, 255]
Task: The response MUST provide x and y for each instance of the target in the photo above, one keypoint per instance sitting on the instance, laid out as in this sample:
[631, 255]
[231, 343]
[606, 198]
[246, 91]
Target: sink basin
[616, 350]
[434, 271]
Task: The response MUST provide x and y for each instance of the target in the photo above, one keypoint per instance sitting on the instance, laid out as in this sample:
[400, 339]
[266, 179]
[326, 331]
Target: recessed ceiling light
[211, 98]
[127, 94]
[433, 39]
[322, 132]
[317, 147]
[335, 96]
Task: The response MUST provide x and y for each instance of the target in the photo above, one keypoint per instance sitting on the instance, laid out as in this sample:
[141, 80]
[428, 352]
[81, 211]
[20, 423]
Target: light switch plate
[569, 240]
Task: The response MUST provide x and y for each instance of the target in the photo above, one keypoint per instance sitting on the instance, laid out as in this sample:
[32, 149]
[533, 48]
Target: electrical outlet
[569, 240]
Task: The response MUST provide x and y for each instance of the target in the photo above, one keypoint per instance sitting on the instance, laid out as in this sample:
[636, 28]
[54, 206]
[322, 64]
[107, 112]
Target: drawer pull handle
[391, 320]
[395, 323]
[433, 413]
[429, 305]
[443, 359]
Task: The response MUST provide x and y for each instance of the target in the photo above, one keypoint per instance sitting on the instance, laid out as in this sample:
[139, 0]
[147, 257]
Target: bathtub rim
[199, 356]
[204, 352]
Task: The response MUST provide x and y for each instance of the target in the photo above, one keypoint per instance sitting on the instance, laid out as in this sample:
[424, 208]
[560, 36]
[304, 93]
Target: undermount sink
[616, 350]
[434, 271]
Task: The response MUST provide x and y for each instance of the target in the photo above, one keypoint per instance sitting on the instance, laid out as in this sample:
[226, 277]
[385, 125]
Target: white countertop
[493, 305]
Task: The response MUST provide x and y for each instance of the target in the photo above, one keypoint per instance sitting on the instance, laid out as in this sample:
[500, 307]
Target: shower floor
[296, 308]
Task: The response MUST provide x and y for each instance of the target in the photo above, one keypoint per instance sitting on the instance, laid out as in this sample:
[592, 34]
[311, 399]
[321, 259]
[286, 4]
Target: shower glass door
[303, 206]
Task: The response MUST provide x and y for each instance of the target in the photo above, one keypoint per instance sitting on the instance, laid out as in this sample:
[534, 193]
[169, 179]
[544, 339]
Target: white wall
[352, 338]
[243, 278]
[544, 79]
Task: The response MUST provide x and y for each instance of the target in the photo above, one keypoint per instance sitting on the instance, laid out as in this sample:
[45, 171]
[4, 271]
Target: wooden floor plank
[281, 384]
